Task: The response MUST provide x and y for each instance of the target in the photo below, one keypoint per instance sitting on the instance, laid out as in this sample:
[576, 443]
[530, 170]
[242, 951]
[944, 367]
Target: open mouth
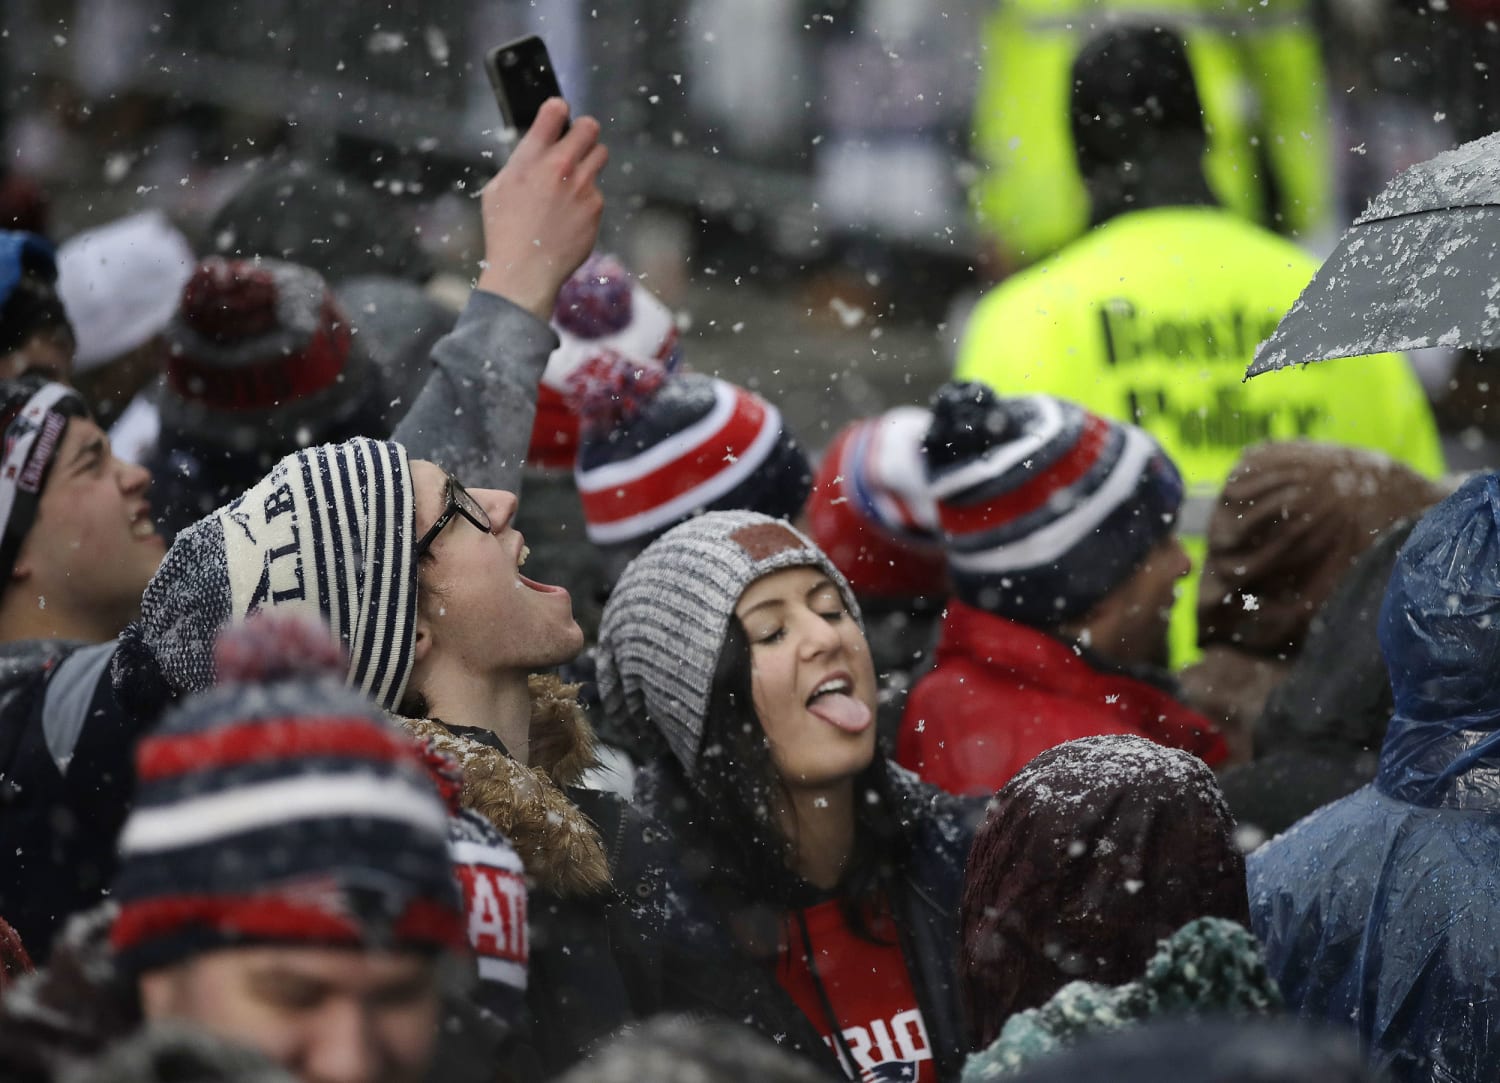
[142, 528]
[532, 584]
[833, 701]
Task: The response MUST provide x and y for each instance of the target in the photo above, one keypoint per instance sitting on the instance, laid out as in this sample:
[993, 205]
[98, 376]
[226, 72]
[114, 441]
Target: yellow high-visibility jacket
[1260, 78]
[1153, 317]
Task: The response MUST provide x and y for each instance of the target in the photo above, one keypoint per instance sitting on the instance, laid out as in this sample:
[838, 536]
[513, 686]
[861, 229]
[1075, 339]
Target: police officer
[1259, 74]
[1152, 316]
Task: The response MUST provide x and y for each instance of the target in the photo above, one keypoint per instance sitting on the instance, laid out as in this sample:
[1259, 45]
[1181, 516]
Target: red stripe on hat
[277, 917]
[273, 382]
[554, 434]
[1035, 492]
[683, 474]
[163, 757]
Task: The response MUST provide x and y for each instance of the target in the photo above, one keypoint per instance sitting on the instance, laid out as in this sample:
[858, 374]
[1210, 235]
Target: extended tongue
[841, 710]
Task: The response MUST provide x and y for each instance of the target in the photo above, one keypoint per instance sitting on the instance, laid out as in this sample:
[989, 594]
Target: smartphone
[523, 77]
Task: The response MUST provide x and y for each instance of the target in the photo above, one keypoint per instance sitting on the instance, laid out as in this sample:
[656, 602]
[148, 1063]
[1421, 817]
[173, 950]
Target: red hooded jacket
[1002, 692]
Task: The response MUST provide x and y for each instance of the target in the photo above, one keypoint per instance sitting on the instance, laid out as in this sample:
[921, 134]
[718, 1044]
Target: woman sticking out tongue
[816, 885]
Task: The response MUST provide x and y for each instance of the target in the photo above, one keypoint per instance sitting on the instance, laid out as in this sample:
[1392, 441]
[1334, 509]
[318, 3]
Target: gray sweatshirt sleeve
[474, 414]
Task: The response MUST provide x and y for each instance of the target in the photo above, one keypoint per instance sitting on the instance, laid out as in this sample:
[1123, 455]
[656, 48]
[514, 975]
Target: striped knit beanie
[654, 451]
[600, 309]
[1045, 508]
[34, 416]
[260, 355]
[666, 620]
[329, 529]
[871, 511]
[281, 807]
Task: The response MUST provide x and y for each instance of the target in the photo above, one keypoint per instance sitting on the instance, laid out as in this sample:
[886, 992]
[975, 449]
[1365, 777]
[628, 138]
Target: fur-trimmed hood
[559, 845]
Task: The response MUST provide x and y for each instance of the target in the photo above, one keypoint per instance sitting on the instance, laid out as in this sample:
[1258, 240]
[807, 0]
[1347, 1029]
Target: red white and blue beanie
[34, 416]
[871, 509]
[280, 807]
[600, 309]
[1045, 508]
[258, 351]
[330, 530]
[655, 450]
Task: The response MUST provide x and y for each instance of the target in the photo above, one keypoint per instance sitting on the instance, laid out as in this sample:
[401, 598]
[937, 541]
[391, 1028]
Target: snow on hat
[28, 294]
[259, 353]
[1045, 508]
[34, 416]
[121, 284]
[870, 509]
[655, 450]
[329, 528]
[281, 807]
[600, 309]
[666, 619]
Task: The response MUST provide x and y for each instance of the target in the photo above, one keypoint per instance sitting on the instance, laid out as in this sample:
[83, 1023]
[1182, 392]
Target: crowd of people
[893, 762]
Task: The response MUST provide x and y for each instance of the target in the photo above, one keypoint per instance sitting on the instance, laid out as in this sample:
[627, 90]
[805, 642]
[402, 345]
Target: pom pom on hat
[275, 646]
[610, 390]
[597, 300]
[225, 301]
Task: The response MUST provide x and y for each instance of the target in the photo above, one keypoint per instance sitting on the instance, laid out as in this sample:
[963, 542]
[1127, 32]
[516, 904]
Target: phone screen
[521, 73]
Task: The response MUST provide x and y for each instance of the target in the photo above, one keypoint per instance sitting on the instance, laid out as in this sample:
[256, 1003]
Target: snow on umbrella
[1420, 268]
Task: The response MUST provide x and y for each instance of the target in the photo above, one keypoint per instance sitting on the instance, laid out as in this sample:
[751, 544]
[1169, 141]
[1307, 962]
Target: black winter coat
[709, 971]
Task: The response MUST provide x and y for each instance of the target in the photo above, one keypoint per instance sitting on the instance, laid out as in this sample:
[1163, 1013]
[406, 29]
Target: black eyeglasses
[457, 501]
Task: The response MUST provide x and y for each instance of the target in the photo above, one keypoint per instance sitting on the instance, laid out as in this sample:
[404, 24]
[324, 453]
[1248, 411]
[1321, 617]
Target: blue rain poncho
[1381, 911]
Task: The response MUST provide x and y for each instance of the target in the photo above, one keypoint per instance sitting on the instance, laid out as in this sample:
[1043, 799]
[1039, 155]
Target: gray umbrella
[1420, 268]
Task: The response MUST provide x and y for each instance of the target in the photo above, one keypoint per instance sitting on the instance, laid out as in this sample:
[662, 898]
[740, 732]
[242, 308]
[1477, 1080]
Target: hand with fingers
[542, 210]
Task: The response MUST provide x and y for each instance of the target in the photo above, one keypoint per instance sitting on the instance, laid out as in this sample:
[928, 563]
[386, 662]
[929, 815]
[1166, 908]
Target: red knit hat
[871, 512]
[259, 349]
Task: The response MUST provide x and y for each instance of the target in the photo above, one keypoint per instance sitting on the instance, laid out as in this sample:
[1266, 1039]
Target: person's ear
[424, 640]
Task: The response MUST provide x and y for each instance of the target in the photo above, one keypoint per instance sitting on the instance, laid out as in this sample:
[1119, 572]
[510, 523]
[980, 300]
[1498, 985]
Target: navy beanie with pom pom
[1045, 508]
[656, 450]
[282, 807]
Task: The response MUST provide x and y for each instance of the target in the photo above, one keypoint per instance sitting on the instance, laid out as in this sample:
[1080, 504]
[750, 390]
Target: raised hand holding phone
[541, 212]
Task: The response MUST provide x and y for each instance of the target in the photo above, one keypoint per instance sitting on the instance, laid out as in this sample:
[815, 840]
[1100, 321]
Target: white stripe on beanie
[1003, 456]
[737, 470]
[250, 807]
[1051, 542]
[668, 451]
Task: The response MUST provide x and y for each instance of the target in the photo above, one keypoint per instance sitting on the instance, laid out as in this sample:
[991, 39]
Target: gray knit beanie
[664, 626]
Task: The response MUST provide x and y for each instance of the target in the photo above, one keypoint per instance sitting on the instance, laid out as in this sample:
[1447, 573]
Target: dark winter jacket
[710, 917]
[66, 774]
[1319, 737]
[1096, 852]
[1001, 692]
[66, 739]
[594, 906]
[1379, 911]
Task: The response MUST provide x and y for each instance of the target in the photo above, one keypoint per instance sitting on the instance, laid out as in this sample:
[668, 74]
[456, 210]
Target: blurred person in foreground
[1152, 316]
[1208, 1051]
[1060, 531]
[1084, 898]
[1378, 911]
[285, 883]
[67, 761]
